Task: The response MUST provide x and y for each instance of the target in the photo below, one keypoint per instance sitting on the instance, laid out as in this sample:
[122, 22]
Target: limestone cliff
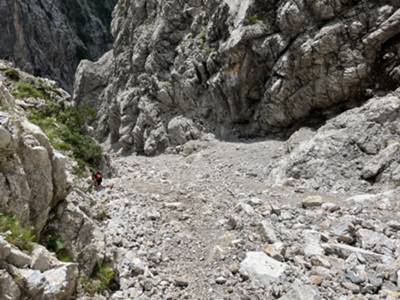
[236, 68]
[49, 38]
[39, 202]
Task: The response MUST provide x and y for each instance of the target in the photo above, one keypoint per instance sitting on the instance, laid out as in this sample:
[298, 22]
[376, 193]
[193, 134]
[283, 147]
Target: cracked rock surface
[237, 68]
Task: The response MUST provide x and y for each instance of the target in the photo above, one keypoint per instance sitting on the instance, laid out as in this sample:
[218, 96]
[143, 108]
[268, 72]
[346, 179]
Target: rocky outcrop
[355, 151]
[33, 176]
[239, 68]
[57, 280]
[49, 38]
[36, 184]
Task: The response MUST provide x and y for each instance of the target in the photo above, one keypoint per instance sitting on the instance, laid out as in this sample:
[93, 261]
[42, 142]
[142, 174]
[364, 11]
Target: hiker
[97, 179]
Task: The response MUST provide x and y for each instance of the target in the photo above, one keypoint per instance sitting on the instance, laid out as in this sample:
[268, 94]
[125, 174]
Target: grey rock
[299, 291]
[9, 289]
[61, 282]
[345, 251]
[374, 240]
[268, 232]
[344, 229]
[181, 130]
[312, 245]
[42, 259]
[5, 248]
[312, 201]
[341, 152]
[182, 282]
[33, 282]
[261, 268]
[239, 73]
[18, 258]
[68, 33]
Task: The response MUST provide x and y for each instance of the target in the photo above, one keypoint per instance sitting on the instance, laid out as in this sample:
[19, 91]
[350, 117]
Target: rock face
[49, 38]
[33, 176]
[238, 67]
[354, 151]
[35, 188]
[45, 278]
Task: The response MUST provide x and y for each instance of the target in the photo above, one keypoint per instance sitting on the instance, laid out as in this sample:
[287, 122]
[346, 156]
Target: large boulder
[261, 268]
[354, 151]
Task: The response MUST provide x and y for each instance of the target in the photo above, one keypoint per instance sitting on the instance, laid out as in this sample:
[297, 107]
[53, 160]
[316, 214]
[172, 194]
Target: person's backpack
[98, 175]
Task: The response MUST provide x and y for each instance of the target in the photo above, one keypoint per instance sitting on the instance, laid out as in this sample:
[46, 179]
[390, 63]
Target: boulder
[299, 291]
[42, 259]
[18, 258]
[5, 248]
[261, 268]
[61, 282]
[9, 290]
[32, 282]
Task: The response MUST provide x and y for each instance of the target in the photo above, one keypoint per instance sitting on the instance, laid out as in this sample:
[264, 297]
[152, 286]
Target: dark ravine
[48, 38]
[236, 67]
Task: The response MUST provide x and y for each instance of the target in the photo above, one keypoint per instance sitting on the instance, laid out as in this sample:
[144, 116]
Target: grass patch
[25, 90]
[12, 74]
[55, 243]
[66, 129]
[254, 19]
[100, 281]
[15, 234]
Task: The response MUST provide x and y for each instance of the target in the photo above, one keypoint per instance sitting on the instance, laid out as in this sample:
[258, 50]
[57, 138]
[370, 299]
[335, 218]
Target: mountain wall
[49, 38]
[236, 68]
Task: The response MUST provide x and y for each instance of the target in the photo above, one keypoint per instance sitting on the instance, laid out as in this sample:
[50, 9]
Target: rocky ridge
[49, 38]
[38, 193]
[236, 68]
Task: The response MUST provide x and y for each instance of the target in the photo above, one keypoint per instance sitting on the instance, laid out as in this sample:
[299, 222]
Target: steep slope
[211, 224]
[236, 68]
[49, 38]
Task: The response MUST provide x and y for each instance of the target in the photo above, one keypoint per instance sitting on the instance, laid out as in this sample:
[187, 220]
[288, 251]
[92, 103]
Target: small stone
[268, 232]
[181, 282]
[394, 225]
[233, 222]
[312, 241]
[330, 207]
[153, 215]
[274, 251]
[312, 201]
[173, 205]
[316, 280]
[220, 280]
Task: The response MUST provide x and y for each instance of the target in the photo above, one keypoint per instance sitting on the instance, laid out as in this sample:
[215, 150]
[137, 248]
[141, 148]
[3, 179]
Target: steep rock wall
[49, 38]
[237, 68]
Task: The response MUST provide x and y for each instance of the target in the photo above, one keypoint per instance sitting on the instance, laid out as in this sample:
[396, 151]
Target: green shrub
[66, 129]
[254, 19]
[15, 234]
[25, 90]
[55, 243]
[12, 74]
[100, 281]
